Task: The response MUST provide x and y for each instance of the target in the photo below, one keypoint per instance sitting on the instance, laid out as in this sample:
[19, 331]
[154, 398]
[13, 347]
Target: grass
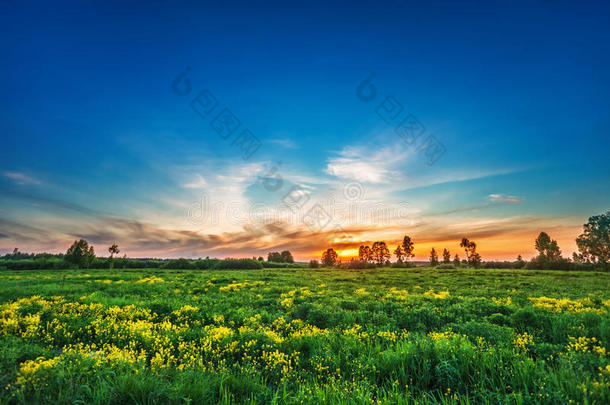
[304, 336]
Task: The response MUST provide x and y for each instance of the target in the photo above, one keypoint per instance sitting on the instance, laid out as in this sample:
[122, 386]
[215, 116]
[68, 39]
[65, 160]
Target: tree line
[593, 246]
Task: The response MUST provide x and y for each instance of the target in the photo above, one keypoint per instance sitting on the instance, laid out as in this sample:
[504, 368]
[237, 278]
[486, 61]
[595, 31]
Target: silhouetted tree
[408, 247]
[364, 253]
[380, 252]
[456, 261]
[433, 258]
[446, 256]
[399, 253]
[329, 257]
[548, 250]
[80, 254]
[594, 242]
[275, 257]
[474, 259]
[314, 264]
[520, 263]
[113, 250]
[286, 257]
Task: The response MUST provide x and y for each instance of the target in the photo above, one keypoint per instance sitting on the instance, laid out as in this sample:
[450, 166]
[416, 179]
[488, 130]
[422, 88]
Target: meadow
[385, 335]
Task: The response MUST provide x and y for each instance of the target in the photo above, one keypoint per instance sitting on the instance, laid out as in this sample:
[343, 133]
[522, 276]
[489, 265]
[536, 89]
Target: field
[304, 336]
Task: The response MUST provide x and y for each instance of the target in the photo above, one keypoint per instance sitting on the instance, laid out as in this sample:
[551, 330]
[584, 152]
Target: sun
[347, 252]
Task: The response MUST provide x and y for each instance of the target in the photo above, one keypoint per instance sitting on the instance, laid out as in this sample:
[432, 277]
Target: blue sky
[96, 144]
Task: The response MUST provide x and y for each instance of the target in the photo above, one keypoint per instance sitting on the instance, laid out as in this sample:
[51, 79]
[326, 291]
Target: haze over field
[100, 140]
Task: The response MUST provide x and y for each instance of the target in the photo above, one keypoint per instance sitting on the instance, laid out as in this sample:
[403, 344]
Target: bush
[445, 266]
[356, 264]
[181, 264]
[402, 265]
[238, 264]
[275, 265]
[314, 264]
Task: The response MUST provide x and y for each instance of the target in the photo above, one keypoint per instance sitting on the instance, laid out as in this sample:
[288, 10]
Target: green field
[415, 335]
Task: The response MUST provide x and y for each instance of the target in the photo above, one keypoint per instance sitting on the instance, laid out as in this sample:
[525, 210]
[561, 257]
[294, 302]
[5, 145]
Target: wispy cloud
[198, 182]
[21, 178]
[284, 143]
[504, 198]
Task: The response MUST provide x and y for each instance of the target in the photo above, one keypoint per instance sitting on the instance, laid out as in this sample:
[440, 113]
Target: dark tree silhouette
[474, 259]
[380, 252]
[433, 258]
[594, 243]
[80, 254]
[408, 247]
[446, 256]
[329, 257]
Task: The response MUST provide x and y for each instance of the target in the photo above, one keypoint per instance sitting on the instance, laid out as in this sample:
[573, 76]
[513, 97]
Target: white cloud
[21, 178]
[504, 198]
[198, 182]
[284, 142]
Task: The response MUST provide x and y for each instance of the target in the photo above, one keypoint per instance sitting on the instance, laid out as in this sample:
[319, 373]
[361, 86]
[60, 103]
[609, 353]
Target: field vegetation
[326, 335]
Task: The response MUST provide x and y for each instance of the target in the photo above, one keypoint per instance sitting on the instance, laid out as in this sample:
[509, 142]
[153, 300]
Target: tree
[275, 257]
[446, 256]
[399, 253]
[286, 257]
[329, 257]
[113, 250]
[408, 247]
[456, 261]
[548, 250]
[433, 258]
[594, 243]
[380, 252]
[80, 254]
[474, 259]
[364, 253]
[260, 259]
[520, 263]
[313, 264]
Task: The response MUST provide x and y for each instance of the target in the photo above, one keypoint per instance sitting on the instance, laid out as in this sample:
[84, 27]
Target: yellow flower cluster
[585, 344]
[567, 305]
[235, 287]
[523, 341]
[151, 280]
[437, 295]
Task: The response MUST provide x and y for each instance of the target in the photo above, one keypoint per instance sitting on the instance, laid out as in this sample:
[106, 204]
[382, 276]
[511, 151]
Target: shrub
[182, 264]
[314, 264]
[238, 264]
[445, 266]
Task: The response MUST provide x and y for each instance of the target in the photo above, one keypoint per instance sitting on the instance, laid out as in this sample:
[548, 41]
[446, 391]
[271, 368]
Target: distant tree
[80, 254]
[456, 261]
[314, 264]
[286, 257]
[399, 253]
[520, 263]
[380, 252]
[15, 251]
[433, 258]
[364, 253]
[548, 250]
[474, 259]
[446, 256]
[408, 247]
[113, 250]
[329, 257]
[594, 243]
[275, 257]
[260, 259]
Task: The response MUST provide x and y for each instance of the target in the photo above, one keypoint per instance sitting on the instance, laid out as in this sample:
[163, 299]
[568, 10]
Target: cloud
[21, 178]
[284, 143]
[501, 198]
[198, 182]
[365, 165]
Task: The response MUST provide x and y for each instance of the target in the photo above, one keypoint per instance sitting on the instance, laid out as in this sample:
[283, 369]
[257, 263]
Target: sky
[231, 129]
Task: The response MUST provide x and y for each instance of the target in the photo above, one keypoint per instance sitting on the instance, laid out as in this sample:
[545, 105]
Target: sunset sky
[103, 139]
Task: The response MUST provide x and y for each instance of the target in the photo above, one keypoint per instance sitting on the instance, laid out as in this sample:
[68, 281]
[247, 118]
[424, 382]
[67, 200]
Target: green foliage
[594, 242]
[238, 264]
[80, 254]
[328, 335]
